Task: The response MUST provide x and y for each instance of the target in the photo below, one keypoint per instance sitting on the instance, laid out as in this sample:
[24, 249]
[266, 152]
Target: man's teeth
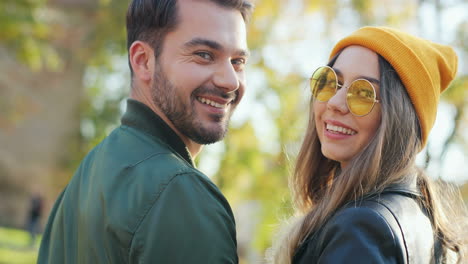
[209, 102]
[340, 129]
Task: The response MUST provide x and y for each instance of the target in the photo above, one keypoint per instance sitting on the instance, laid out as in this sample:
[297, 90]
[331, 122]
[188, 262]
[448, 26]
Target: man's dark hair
[151, 20]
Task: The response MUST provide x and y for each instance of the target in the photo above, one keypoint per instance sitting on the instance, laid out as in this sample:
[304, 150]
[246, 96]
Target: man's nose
[226, 77]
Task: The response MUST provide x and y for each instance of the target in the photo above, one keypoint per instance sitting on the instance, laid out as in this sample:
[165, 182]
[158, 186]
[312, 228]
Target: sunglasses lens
[361, 97]
[323, 84]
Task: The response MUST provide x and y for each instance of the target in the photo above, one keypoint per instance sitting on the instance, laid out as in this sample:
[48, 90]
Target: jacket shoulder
[387, 228]
[136, 165]
[187, 213]
[411, 224]
[127, 149]
[358, 233]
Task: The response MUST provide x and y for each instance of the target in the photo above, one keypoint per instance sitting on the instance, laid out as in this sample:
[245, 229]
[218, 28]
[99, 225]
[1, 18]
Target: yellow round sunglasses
[360, 95]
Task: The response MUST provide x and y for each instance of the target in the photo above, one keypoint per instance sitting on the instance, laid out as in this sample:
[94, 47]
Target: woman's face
[342, 134]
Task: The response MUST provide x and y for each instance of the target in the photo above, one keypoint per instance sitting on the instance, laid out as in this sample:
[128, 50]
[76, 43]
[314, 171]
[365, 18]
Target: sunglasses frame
[374, 100]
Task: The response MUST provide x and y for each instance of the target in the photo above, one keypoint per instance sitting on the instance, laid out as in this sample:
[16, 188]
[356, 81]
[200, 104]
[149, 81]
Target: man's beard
[182, 115]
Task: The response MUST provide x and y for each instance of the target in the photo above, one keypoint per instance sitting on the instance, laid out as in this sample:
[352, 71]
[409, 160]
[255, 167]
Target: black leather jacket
[389, 228]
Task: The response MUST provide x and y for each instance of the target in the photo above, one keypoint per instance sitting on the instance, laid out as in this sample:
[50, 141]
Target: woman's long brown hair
[320, 187]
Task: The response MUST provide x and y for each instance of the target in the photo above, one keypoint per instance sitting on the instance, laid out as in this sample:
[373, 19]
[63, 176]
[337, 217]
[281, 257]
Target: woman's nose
[338, 101]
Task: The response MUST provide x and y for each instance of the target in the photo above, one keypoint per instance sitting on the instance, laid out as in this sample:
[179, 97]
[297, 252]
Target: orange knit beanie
[425, 68]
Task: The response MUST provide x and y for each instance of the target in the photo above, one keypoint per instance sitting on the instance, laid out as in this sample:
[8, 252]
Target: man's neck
[193, 147]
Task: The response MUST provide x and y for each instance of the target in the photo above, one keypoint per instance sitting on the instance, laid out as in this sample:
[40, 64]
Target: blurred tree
[457, 95]
[46, 48]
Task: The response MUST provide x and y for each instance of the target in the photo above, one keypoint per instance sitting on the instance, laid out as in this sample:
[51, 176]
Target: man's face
[199, 76]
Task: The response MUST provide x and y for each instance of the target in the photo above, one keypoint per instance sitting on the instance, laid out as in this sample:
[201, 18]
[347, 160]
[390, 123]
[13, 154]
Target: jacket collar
[141, 117]
[408, 188]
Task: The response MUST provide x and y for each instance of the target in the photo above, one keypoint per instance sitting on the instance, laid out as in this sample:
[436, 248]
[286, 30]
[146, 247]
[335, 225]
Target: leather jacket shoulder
[391, 227]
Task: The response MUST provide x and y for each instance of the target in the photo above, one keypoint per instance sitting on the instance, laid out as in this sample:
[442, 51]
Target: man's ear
[141, 57]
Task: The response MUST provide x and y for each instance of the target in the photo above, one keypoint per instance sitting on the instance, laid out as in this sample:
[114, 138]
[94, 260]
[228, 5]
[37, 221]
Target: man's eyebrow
[243, 53]
[370, 79]
[203, 42]
[213, 45]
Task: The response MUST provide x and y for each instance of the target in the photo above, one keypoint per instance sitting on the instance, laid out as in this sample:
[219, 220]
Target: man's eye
[238, 62]
[204, 55]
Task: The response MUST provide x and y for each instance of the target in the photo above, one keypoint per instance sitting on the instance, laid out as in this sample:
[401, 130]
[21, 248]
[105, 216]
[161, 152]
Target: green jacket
[137, 198]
